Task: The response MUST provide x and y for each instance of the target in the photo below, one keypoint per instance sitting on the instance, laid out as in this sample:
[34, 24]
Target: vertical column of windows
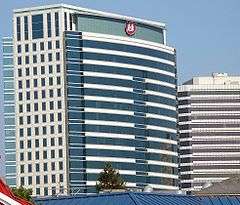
[56, 24]
[49, 24]
[71, 21]
[18, 28]
[25, 27]
[37, 26]
[65, 20]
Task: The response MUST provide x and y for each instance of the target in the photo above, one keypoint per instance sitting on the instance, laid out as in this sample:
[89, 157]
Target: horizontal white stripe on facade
[209, 113]
[107, 87]
[110, 159]
[158, 82]
[186, 164]
[187, 172]
[157, 139]
[107, 75]
[185, 155]
[187, 181]
[109, 135]
[224, 129]
[158, 151]
[220, 162]
[127, 54]
[184, 98]
[185, 147]
[93, 183]
[109, 123]
[172, 176]
[215, 146]
[209, 104]
[161, 117]
[108, 99]
[210, 154]
[126, 41]
[213, 179]
[216, 121]
[164, 187]
[97, 171]
[152, 127]
[168, 164]
[215, 138]
[160, 94]
[109, 147]
[213, 171]
[184, 106]
[125, 65]
[108, 111]
[160, 105]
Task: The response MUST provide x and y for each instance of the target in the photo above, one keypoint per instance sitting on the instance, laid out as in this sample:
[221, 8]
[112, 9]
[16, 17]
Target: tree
[23, 193]
[109, 178]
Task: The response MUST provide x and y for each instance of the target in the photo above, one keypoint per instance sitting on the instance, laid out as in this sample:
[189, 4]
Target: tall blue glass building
[92, 87]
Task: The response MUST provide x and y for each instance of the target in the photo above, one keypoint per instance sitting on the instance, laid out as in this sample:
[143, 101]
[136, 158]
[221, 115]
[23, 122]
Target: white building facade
[209, 130]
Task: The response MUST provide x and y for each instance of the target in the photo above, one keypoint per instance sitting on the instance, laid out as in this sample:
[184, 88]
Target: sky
[206, 34]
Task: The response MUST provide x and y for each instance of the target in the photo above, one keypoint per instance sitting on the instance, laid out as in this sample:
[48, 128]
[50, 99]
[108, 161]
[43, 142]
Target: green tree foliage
[109, 179]
[23, 193]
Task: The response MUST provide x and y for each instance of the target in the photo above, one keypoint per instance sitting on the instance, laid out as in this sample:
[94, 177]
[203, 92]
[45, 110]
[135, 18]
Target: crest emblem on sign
[130, 28]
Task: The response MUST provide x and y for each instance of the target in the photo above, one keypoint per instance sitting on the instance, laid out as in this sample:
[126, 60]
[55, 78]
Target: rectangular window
[37, 179]
[34, 58]
[49, 57]
[37, 191]
[21, 132]
[22, 169]
[27, 72]
[56, 24]
[45, 167]
[36, 142]
[58, 68]
[18, 28]
[19, 60]
[34, 70]
[49, 45]
[26, 48]
[20, 108]
[60, 153]
[29, 155]
[52, 154]
[52, 142]
[30, 180]
[44, 106]
[22, 181]
[37, 167]
[71, 21]
[19, 48]
[21, 120]
[65, 20]
[60, 165]
[42, 46]
[37, 155]
[45, 154]
[34, 47]
[49, 25]
[26, 27]
[36, 131]
[43, 82]
[53, 178]
[57, 56]
[42, 58]
[53, 166]
[21, 145]
[44, 118]
[60, 142]
[28, 107]
[35, 94]
[29, 168]
[51, 93]
[26, 59]
[44, 130]
[37, 26]
[29, 144]
[42, 70]
[50, 69]
[43, 94]
[27, 83]
[36, 119]
[57, 44]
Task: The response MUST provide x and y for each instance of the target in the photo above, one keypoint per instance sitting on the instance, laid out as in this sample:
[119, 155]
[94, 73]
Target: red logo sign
[130, 28]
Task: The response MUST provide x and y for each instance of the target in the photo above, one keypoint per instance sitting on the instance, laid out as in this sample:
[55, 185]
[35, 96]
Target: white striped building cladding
[109, 97]
[209, 130]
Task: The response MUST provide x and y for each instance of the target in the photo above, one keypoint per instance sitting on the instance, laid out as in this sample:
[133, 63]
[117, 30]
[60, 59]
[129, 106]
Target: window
[37, 155]
[57, 56]
[59, 128]
[65, 20]
[59, 104]
[35, 94]
[59, 116]
[34, 70]
[29, 132]
[37, 26]
[58, 68]
[34, 47]
[51, 93]
[21, 156]
[29, 144]
[34, 58]
[37, 191]
[42, 46]
[36, 131]
[28, 119]
[19, 48]
[43, 94]
[56, 24]
[61, 177]
[19, 60]
[44, 118]
[22, 168]
[22, 181]
[27, 71]
[43, 106]
[53, 178]
[53, 166]
[18, 28]
[52, 154]
[45, 154]
[21, 145]
[58, 81]
[29, 154]
[59, 92]
[36, 119]
[28, 107]
[60, 142]
[50, 81]
[21, 132]
[45, 167]
[45, 142]
[20, 108]
[57, 44]
[35, 106]
[19, 72]
[42, 70]
[50, 69]
[45, 179]
[26, 48]
[20, 84]
[29, 180]
[49, 45]
[21, 120]
[52, 142]
[60, 153]
[29, 168]
[44, 130]
[49, 57]
[26, 27]
[42, 58]
[45, 191]
[51, 105]
[26, 59]
[28, 95]
[37, 167]
[27, 83]
[43, 82]
[52, 129]
[51, 117]
[37, 179]
[71, 21]
[20, 96]
[36, 142]
[60, 165]
[54, 191]
[49, 25]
